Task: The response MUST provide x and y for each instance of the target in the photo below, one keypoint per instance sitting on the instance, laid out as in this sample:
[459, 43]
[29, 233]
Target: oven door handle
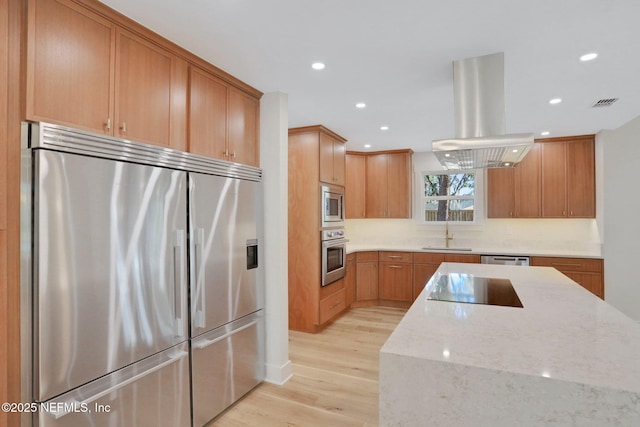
[332, 243]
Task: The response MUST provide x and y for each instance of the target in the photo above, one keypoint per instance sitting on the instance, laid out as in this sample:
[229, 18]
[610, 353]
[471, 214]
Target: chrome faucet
[447, 236]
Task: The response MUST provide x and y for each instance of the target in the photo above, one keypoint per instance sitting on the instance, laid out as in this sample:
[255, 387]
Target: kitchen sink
[447, 249]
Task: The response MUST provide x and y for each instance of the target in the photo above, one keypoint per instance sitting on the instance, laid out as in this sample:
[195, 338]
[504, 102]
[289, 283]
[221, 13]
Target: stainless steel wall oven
[334, 255]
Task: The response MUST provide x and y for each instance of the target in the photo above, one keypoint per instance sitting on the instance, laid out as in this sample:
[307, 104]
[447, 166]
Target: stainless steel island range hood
[481, 142]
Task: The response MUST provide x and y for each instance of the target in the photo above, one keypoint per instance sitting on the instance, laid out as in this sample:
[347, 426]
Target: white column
[274, 141]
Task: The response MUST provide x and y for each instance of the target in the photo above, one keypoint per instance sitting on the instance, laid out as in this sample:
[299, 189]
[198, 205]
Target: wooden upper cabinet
[581, 183]
[568, 177]
[91, 68]
[243, 117]
[207, 114]
[554, 180]
[377, 186]
[355, 185]
[143, 90]
[527, 185]
[332, 159]
[515, 192]
[223, 121]
[388, 185]
[501, 201]
[70, 74]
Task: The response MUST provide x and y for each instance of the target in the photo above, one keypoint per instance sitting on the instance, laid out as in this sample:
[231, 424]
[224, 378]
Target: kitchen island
[564, 358]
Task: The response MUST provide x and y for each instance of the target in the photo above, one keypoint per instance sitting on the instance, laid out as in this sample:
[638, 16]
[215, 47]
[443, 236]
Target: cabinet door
[69, 66]
[500, 193]
[554, 180]
[590, 281]
[143, 90]
[243, 128]
[355, 186]
[399, 186]
[366, 281]
[350, 280]
[395, 281]
[339, 153]
[581, 179]
[207, 115]
[326, 159]
[421, 275]
[376, 194]
[527, 185]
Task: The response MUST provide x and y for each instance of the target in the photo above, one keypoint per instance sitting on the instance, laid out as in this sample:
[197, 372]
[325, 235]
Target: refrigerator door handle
[179, 260]
[207, 343]
[199, 266]
[83, 404]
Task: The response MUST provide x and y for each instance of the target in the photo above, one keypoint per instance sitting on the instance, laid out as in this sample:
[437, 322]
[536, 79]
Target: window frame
[478, 197]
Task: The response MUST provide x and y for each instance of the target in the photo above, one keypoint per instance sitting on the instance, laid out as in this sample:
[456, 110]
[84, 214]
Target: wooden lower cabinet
[395, 276]
[332, 305]
[421, 275]
[366, 276]
[465, 258]
[587, 272]
[350, 279]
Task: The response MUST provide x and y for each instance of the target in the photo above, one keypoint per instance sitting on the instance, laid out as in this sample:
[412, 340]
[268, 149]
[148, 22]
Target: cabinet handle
[108, 124]
[225, 154]
[395, 266]
[233, 155]
[394, 256]
[336, 304]
[123, 128]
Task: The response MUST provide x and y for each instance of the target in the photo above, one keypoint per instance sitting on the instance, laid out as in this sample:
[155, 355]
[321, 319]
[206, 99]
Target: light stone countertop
[565, 343]
[403, 247]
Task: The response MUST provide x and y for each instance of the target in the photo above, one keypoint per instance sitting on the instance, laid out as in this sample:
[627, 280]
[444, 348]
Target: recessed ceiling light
[545, 133]
[317, 66]
[367, 145]
[361, 105]
[514, 150]
[507, 164]
[555, 101]
[589, 56]
[447, 155]
[384, 127]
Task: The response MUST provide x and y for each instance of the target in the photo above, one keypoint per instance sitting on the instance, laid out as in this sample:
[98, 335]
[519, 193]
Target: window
[449, 197]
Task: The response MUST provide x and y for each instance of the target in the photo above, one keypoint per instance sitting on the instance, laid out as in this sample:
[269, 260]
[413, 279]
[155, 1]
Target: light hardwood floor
[335, 376]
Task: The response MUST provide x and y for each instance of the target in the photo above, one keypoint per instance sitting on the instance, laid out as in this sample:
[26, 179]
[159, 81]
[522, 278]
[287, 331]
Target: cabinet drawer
[332, 305]
[468, 258]
[396, 256]
[569, 264]
[367, 256]
[428, 258]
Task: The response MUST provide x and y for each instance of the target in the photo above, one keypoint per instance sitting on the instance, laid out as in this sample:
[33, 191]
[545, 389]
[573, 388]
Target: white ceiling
[396, 55]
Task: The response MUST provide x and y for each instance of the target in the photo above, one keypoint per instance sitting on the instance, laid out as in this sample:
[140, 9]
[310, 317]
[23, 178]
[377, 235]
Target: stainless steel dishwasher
[505, 260]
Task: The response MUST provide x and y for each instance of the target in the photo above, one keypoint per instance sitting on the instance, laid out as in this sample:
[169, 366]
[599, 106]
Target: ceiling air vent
[604, 102]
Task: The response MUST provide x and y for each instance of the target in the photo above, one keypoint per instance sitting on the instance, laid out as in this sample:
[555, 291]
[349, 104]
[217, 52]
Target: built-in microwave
[332, 203]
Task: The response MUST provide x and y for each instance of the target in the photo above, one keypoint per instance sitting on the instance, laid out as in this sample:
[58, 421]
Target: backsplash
[575, 236]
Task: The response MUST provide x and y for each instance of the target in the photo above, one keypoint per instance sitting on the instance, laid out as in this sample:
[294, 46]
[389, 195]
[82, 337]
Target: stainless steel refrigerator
[227, 324]
[106, 250]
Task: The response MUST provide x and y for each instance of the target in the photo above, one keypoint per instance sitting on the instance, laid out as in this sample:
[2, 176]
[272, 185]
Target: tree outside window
[449, 197]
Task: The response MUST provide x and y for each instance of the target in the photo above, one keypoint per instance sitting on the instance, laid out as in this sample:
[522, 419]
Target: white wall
[273, 159]
[621, 149]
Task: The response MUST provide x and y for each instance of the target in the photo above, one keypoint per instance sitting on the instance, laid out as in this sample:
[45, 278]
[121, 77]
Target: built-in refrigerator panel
[153, 392]
[227, 363]
[224, 250]
[110, 276]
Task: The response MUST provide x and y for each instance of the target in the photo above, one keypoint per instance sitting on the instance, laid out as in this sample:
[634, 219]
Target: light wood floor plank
[335, 377]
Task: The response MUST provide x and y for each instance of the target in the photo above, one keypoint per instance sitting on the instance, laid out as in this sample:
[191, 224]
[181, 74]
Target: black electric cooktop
[467, 288]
